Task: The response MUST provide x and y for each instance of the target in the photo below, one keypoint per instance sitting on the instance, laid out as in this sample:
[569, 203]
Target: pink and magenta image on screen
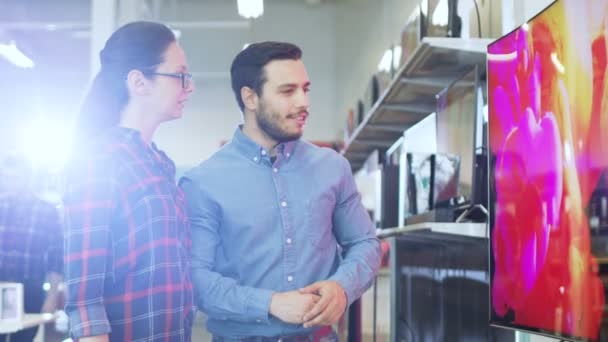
[548, 138]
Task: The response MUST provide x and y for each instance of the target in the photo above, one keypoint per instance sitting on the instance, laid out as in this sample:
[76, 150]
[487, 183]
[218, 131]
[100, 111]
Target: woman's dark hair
[138, 45]
[247, 69]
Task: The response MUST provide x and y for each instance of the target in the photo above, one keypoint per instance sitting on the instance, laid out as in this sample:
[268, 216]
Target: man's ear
[250, 98]
[137, 83]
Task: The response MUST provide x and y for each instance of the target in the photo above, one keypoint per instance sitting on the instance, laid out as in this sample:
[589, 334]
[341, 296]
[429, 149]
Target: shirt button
[288, 155]
[263, 152]
[283, 204]
[288, 241]
[255, 158]
[289, 278]
[275, 170]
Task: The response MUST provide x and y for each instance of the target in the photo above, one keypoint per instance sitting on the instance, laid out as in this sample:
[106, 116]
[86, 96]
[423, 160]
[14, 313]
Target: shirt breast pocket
[319, 227]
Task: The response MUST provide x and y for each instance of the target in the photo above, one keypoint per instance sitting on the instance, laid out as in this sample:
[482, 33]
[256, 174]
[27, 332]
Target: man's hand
[291, 306]
[329, 308]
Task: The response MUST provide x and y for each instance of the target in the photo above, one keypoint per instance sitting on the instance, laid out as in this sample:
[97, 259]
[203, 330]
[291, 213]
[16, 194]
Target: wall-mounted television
[548, 143]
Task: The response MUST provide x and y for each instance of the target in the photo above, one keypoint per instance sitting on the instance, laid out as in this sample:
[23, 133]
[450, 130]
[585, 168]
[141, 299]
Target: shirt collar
[133, 136]
[256, 152]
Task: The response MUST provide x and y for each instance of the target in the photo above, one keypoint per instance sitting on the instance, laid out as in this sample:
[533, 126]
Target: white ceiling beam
[218, 24]
[46, 25]
[85, 25]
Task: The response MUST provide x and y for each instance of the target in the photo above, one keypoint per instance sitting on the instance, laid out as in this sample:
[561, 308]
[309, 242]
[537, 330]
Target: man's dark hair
[247, 69]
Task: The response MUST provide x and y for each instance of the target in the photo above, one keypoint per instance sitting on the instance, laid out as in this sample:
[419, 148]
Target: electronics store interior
[472, 128]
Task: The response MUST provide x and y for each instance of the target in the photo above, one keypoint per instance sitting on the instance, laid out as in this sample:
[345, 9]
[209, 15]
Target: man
[31, 241]
[281, 241]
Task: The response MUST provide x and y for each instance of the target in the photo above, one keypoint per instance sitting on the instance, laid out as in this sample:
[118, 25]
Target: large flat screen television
[548, 142]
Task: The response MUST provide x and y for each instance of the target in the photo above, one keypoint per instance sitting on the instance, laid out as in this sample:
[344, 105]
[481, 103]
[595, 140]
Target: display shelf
[411, 95]
[28, 321]
[441, 230]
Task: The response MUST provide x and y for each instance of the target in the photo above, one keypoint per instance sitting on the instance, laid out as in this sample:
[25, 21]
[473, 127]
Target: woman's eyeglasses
[184, 77]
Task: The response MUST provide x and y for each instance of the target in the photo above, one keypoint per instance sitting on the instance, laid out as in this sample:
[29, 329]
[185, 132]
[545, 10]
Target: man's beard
[269, 124]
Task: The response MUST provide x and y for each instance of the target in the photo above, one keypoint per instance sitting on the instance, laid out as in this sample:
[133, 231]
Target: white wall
[364, 30]
[526, 9]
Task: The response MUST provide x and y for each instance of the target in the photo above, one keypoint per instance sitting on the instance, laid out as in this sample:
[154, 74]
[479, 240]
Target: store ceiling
[60, 29]
[56, 34]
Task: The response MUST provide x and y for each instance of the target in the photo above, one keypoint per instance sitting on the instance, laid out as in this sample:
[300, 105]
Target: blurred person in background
[31, 241]
[127, 256]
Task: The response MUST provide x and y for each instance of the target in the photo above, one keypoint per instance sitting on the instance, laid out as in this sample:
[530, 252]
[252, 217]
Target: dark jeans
[33, 299]
[325, 334]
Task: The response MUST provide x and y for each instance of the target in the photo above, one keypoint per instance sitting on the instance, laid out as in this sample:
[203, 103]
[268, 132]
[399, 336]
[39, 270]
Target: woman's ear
[250, 98]
[137, 83]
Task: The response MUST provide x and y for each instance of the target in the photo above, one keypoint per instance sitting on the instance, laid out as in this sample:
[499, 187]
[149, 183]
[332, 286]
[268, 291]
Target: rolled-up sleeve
[219, 297]
[356, 234]
[89, 206]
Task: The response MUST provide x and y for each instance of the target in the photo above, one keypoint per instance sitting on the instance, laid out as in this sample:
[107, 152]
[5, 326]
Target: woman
[127, 236]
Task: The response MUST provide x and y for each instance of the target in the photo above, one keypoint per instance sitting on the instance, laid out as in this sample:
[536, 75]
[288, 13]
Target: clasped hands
[319, 304]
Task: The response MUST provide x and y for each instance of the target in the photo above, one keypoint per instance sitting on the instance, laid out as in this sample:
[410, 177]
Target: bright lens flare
[47, 144]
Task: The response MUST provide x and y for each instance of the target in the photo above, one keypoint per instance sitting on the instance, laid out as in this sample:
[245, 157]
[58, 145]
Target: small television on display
[418, 146]
[548, 163]
[389, 187]
[11, 302]
[427, 177]
[439, 18]
[457, 121]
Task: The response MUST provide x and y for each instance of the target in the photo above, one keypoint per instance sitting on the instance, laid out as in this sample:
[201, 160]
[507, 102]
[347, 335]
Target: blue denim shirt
[259, 228]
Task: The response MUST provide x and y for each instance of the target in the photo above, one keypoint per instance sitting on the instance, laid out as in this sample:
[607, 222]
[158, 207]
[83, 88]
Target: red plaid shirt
[31, 240]
[127, 255]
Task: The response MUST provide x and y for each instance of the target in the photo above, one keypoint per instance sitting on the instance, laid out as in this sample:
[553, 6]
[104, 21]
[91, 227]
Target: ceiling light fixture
[250, 9]
[11, 53]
